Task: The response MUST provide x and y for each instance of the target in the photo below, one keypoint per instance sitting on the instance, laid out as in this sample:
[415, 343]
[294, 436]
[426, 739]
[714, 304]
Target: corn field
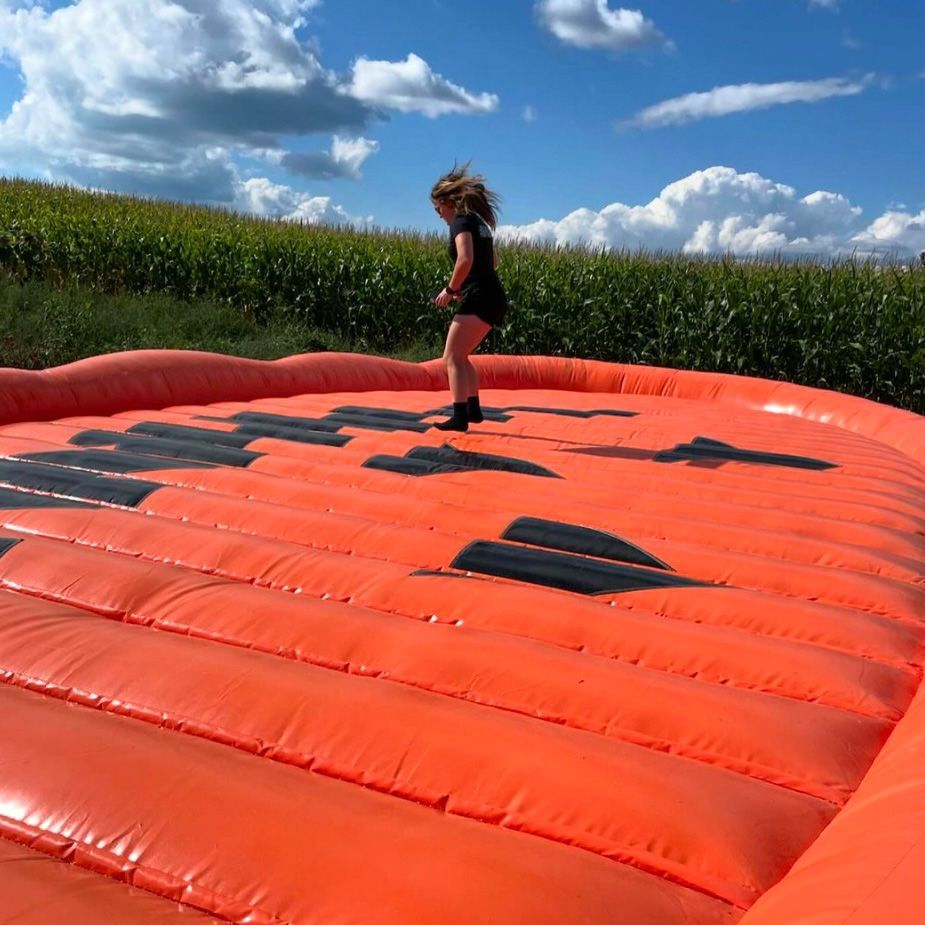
[854, 326]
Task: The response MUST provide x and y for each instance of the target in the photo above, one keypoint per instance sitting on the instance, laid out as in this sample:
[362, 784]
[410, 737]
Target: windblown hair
[468, 193]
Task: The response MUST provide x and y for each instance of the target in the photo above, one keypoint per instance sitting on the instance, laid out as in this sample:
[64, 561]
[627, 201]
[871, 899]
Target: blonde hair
[468, 193]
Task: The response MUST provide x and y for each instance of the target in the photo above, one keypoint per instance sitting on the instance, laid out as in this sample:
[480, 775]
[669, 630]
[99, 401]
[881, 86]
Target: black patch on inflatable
[273, 420]
[240, 437]
[406, 417]
[391, 419]
[11, 500]
[401, 420]
[294, 434]
[504, 414]
[194, 450]
[197, 434]
[373, 419]
[403, 465]
[571, 413]
[434, 460]
[707, 449]
[562, 570]
[6, 545]
[356, 416]
[109, 461]
[380, 419]
[476, 461]
[76, 484]
[550, 534]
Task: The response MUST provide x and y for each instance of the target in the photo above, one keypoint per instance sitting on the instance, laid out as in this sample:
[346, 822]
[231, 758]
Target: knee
[454, 360]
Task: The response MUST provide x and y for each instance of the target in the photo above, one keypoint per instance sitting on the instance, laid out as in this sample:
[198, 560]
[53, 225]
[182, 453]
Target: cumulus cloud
[182, 71]
[719, 210]
[260, 196]
[345, 159]
[411, 86]
[592, 24]
[894, 231]
[166, 98]
[155, 97]
[721, 101]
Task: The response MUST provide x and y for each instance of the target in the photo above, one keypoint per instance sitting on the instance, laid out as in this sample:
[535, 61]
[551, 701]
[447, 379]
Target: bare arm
[464, 258]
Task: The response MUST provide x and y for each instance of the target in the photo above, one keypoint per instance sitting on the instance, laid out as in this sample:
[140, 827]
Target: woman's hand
[443, 298]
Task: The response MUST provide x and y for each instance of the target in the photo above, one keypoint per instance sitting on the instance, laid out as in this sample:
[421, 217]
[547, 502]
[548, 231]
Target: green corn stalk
[850, 325]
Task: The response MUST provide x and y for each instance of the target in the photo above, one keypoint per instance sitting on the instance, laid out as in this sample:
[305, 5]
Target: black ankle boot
[474, 409]
[459, 421]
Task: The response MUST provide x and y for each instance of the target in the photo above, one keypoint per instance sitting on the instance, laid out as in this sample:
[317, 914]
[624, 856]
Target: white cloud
[529, 114]
[260, 196]
[721, 101]
[824, 4]
[411, 86]
[900, 231]
[592, 24]
[345, 159]
[719, 210]
[180, 98]
[129, 95]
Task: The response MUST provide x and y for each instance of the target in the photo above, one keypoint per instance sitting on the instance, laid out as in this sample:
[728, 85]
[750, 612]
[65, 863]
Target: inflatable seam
[701, 675]
[271, 752]
[107, 864]
[717, 760]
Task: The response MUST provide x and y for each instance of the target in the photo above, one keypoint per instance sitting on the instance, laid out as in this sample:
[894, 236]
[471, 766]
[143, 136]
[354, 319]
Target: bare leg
[473, 386]
[465, 334]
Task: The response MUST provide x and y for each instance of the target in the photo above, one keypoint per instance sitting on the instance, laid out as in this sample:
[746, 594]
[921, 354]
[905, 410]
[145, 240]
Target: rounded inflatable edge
[902, 430]
[145, 379]
[866, 867]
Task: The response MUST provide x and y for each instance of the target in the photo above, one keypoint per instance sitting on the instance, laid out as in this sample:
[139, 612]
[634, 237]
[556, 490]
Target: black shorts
[489, 303]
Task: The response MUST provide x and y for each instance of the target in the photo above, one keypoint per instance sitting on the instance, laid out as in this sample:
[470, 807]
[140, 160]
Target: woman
[470, 209]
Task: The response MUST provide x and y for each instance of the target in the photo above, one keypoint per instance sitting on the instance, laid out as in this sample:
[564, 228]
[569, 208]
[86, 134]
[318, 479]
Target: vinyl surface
[642, 647]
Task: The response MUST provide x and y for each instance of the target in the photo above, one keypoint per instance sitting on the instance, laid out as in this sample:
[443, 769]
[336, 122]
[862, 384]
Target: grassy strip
[854, 327]
[42, 325]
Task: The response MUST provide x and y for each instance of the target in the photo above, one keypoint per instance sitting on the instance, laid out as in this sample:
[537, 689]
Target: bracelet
[451, 290]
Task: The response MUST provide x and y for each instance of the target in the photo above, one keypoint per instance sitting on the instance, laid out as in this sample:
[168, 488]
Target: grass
[42, 325]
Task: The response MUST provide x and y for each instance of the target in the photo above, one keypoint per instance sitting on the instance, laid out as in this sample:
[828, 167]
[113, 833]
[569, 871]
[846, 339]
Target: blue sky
[717, 125]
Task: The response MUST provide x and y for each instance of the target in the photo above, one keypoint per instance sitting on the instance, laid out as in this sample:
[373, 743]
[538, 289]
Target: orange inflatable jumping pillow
[643, 646]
